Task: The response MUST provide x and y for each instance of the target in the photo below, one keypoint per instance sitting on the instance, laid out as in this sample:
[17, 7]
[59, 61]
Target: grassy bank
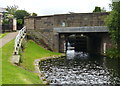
[32, 52]
[13, 74]
[2, 35]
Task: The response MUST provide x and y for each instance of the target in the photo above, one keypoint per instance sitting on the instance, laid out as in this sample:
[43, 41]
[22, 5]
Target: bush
[113, 53]
[20, 21]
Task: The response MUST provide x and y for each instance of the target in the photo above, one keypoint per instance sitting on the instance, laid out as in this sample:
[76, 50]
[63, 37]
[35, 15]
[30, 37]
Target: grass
[2, 35]
[12, 74]
[32, 52]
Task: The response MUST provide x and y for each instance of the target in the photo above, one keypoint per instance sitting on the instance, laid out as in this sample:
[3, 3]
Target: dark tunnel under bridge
[86, 39]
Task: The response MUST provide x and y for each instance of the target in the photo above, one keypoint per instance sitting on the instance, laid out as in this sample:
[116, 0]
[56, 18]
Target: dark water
[89, 70]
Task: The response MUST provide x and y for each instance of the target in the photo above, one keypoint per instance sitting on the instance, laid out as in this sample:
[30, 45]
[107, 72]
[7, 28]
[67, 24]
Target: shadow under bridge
[82, 39]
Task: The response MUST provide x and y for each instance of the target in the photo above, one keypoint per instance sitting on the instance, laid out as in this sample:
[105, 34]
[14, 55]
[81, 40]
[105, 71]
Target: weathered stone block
[15, 59]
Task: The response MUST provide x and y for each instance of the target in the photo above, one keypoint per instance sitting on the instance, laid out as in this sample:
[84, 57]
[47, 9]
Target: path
[7, 38]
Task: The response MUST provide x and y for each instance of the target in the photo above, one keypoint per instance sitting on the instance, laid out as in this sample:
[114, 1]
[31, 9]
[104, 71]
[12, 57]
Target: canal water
[92, 69]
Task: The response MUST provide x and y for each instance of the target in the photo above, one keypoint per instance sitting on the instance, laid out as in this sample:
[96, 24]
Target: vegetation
[20, 14]
[34, 14]
[2, 35]
[98, 9]
[12, 74]
[113, 52]
[113, 23]
[12, 9]
[9, 14]
[14, 12]
[32, 52]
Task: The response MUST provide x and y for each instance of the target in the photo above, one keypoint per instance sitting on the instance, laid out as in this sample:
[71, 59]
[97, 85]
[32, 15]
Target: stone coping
[84, 29]
[37, 70]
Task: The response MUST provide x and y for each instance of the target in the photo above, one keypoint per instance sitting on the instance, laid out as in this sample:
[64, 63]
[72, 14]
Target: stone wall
[66, 20]
[39, 38]
[42, 26]
[80, 19]
[44, 22]
[29, 23]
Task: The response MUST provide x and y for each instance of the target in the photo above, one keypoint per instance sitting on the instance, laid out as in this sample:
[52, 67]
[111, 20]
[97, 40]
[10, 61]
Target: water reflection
[92, 70]
[71, 54]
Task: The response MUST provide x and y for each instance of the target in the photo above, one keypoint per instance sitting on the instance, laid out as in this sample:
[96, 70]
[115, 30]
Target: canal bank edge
[37, 69]
[15, 60]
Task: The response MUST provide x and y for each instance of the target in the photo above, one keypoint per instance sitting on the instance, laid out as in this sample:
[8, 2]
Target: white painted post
[63, 24]
[14, 24]
[104, 48]
[64, 47]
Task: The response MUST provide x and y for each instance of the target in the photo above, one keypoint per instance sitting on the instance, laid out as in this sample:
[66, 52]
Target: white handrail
[18, 40]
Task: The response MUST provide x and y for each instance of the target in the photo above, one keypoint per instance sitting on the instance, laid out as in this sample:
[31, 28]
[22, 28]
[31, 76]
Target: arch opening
[78, 42]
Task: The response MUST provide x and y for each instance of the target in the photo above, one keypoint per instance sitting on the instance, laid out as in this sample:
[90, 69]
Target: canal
[91, 69]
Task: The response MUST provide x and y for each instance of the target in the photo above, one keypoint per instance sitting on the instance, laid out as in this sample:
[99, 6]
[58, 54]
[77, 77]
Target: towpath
[7, 38]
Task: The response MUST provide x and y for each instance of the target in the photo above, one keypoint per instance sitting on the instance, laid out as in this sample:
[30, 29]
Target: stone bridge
[85, 31]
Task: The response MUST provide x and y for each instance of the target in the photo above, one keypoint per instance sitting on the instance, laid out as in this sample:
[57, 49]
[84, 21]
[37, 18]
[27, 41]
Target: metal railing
[18, 40]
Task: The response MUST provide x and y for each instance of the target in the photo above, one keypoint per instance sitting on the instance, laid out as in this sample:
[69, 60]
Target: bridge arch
[86, 40]
[52, 30]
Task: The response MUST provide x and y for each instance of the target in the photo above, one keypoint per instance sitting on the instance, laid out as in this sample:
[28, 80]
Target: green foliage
[20, 21]
[34, 14]
[113, 23]
[32, 52]
[2, 35]
[12, 9]
[14, 12]
[20, 14]
[113, 53]
[12, 74]
[97, 9]
[9, 14]
[5, 21]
